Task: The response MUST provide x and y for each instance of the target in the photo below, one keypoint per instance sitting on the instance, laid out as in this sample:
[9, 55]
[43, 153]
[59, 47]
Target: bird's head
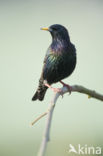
[58, 32]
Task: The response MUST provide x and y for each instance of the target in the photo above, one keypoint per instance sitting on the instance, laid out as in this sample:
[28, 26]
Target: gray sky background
[76, 118]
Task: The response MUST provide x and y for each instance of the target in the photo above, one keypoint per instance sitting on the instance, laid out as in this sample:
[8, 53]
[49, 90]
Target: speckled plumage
[59, 62]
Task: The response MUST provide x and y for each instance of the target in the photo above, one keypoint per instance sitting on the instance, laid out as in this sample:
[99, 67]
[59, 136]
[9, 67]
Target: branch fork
[49, 112]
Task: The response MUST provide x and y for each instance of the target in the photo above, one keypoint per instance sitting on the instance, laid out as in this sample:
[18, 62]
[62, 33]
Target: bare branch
[46, 137]
[90, 93]
[49, 113]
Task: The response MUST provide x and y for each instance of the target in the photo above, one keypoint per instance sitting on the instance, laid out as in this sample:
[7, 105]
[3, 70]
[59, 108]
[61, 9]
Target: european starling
[59, 62]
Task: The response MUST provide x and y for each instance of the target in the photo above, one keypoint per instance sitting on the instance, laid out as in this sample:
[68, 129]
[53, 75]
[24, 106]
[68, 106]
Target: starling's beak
[47, 29]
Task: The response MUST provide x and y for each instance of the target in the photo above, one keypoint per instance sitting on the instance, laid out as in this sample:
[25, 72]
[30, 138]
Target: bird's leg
[68, 86]
[53, 89]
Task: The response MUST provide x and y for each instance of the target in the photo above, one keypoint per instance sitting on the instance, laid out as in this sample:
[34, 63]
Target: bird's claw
[58, 90]
[55, 90]
[70, 90]
[68, 86]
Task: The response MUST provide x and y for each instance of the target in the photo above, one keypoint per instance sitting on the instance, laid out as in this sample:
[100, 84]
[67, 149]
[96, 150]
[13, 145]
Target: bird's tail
[40, 93]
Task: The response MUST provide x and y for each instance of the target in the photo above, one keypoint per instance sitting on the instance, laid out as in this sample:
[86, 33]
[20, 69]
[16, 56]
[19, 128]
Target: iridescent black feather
[59, 62]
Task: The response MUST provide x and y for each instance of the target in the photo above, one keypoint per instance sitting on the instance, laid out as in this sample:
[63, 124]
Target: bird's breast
[59, 63]
[57, 47]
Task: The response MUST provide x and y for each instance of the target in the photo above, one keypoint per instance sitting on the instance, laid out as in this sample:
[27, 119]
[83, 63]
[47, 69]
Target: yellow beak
[45, 29]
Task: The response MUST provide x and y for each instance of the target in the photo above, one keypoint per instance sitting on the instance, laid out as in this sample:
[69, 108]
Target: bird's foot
[55, 90]
[68, 86]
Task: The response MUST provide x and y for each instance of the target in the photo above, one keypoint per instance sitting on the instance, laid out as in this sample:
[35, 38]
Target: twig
[49, 113]
[90, 93]
[38, 118]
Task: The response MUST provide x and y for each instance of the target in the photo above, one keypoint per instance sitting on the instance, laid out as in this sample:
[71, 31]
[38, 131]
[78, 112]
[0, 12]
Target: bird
[59, 61]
